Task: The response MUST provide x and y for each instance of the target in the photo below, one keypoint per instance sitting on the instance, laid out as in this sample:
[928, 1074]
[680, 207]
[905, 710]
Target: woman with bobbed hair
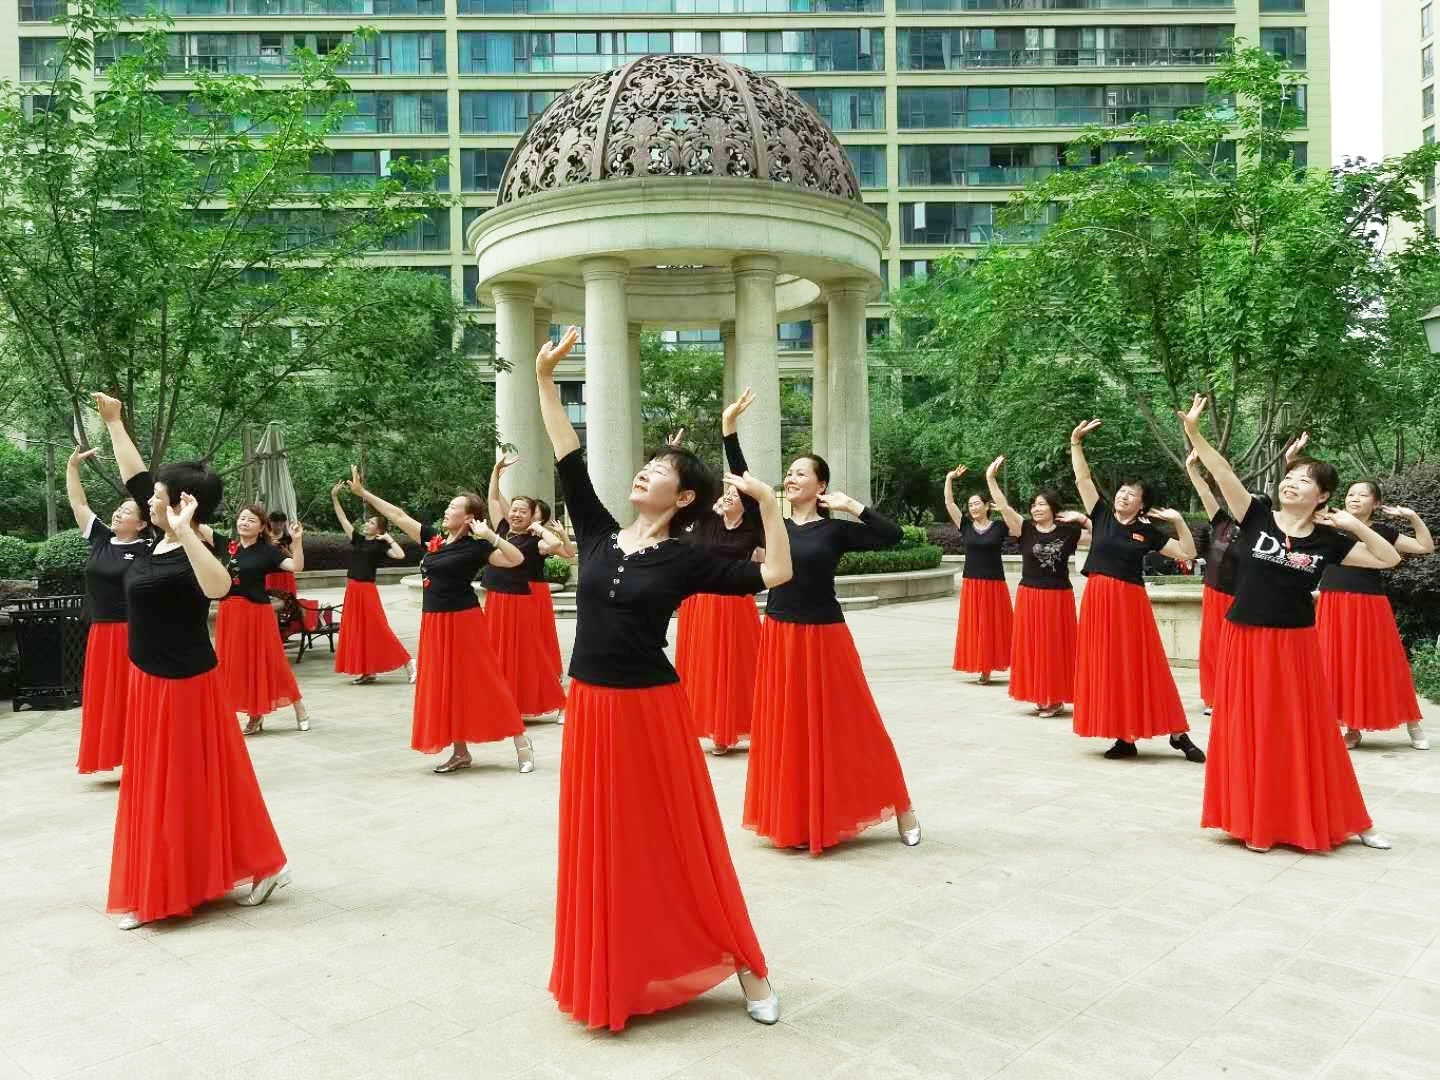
[105, 682]
[191, 823]
[367, 645]
[1365, 660]
[822, 768]
[461, 695]
[986, 623]
[648, 912]
[1278, 771]
[1042, 653]
[1123, 687]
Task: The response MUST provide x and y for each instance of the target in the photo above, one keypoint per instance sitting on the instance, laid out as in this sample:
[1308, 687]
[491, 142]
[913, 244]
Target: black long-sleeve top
[815, 550]
[623, 603]
[739, 542]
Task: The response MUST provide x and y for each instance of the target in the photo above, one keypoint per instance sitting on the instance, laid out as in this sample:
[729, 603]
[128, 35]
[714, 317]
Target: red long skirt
[982, 635]
[283, 581]
[1214, 606]
[257, 673]
[460, 694]
[191, 823]
[1123, 686]
[822, 768]
[516, 623]
[648, 910]
[367, 644]
[1042, 663]
[103, 689]
[1276, 769]
[549, 639]
[717, 667]
[1366, 667]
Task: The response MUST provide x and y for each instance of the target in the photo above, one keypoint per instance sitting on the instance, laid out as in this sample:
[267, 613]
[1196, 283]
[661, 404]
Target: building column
[544, 481]
[820, 379]
[727, 348]
[849, 427]
[638, 449]
[517, 400]
[757, 364]
[612, 397]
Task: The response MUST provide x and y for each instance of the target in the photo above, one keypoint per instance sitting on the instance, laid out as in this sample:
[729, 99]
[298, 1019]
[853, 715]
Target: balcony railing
[670, 7]
[276, 63]
[1198, 56]
[588, 63]
[914, 7]
[1078, 116]
[983, 176]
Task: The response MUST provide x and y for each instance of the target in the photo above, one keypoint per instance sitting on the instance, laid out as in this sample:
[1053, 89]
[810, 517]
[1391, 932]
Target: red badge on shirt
[1139, 538]
[234, 548]
[435, 544]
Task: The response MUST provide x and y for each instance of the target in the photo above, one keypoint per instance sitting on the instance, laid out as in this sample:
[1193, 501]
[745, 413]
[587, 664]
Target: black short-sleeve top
[366, 556]
[166, 608]
[983, 558]
[1118, 550]
[105, 571]
[624, 602]
[1220, 560]
[815, 551]
[1277, 572]
[447, 570]
[1045, 556]
[1359, 579]
[248, 567]
[516, 579]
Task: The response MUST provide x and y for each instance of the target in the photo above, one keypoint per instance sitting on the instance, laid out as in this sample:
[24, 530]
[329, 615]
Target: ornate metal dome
[671, 115]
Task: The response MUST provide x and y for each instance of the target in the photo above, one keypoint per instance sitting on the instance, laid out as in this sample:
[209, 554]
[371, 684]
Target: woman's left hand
[838, 500]
[297, 532]
[751, 485]
[1165, 514]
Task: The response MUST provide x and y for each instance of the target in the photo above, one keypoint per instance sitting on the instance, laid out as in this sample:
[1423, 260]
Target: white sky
[1355, 100]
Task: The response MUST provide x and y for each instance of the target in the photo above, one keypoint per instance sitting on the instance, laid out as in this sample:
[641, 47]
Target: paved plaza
[1065, 917]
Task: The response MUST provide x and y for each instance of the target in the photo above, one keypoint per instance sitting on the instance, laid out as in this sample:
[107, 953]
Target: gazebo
[681, 192]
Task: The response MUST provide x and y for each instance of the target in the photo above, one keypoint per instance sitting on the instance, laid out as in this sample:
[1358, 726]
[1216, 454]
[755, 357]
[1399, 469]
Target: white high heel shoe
[262, 889]
[129, 921]
[525, 754]
[765, 1010]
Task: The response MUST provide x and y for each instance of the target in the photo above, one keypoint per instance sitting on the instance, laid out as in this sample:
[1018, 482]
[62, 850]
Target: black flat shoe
[1122, 749]
[1192, 752]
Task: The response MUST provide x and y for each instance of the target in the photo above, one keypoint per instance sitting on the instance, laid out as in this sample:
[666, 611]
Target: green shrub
[17, 558]
[22, 491]
[557, 570]
[914, 537]
[1425, 666]
[1414, 586]
[890, 561]
[60, 564]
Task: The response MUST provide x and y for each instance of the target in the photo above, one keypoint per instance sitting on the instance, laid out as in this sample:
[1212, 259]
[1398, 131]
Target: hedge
[60, 564]
[891, 561]
[557, 570]
[1425, 666]
[1414, 586]
[17, 558]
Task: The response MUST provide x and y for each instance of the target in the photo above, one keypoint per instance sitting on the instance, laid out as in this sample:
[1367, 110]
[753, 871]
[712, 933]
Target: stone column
[638, 449]
[756, 363]
[727, 347]
[517, 402]
[612, 397]
[544, 480]
[849, 428]
[820, 379]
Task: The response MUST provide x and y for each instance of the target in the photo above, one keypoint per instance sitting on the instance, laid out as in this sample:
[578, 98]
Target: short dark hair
[1322, 472]
[1372, 485]
[543, 509]
[1147, 493]
[475, 506]
[1051, 497]
[694, 476]
[259, 512]
[527, 500]
[196, 478]
[279, 517]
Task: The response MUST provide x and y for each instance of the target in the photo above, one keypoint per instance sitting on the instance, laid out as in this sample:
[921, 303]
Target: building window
[572, 396]
[846, 109]
[1048, 106]
[419, 157]
[40, 59]
[340, 170]
[469, 283]
[399, 114]
[1430, 188]
[480, 170]
[501, 112]
[430, 233]
[1427, 61]
[1427, 21]
[875, 329]
[1284, 43]
[869, 164]
[468, 216]
[1281, 7]
[32, 11]
[926, 49]
[1427, 102]
[1430, 220]
[1428, 136]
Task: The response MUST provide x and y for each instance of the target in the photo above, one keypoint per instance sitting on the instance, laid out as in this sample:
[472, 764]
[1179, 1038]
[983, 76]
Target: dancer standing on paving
[986, 623]
[368, 645]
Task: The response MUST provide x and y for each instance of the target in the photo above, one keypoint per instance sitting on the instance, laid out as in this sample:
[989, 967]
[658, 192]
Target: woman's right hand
[956, 473]
[736, 408]
[751, 485]
[108, 407]
[355, 484]
[1085, 427]
[552, 352]
[77, 455]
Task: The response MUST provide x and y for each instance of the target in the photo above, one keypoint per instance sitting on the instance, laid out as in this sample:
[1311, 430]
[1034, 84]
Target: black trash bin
[50, 635]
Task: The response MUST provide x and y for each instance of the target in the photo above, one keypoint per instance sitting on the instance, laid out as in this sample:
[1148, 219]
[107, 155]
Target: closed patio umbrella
[273, 472]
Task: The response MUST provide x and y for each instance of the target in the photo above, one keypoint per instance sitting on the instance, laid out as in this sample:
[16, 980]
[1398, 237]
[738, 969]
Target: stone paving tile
[1064, 918]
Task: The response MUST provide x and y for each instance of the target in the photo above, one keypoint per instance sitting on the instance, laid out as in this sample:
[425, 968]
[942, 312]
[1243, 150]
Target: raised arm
[505, 553]
[776, 568]
[295, 562]
[1296, 448]
[392, 513]
[951, 507]
[1236, 495]
[1422, 543]
[550, 542]
[871, 532]
[493, 499]
[75, 490]
[1013, 521]
[1084, 482]
[563, 439]
[345, 526]
[1183, 546]
[730, 437]
[1373, 552]
[392, 547]
[210, 572]
[127, 457]
[1201, 486]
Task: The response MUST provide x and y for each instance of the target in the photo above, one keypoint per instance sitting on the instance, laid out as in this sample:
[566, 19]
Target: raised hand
[1297, 447]
[1085, 427]
[737, 407]
[1191, 419]
[1399, 511]
[480, 529]
[675, 438]
[108, 407]
[956, 473]
[1071, 517]
[994, 467]
[335, 490]
[296, 531]
[1192, 460]
[505, 462]
[1164, 513]
[180, 517]
[751, 485]
[838, 500]
[355, 484]
[1338, 519]
[77, 455]
[552, 352]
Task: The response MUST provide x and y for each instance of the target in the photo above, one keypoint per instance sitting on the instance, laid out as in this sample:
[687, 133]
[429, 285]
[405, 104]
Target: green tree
[1195, 258]
[174, 249]
[682, 386]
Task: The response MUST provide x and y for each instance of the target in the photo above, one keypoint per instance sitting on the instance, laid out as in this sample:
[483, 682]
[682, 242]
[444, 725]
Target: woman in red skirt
[367, 644]
[822, 768]
[280, 583]
[1278, 772]
[1365, 661]
[516, 623]
[1218, 592]
[541, 596]
[107, 665]
[191, 823]
[1123, 686]
[253, 664]
[1043, 649]
[461, 695]
[718, 637]
[648, 911]
[982, 634]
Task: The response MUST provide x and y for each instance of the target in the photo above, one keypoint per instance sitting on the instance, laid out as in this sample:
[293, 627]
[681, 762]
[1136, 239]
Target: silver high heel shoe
[766, 1010]
[909, 837]
[129, 921]
[262, 889]
[302, 722]
[525, 754]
